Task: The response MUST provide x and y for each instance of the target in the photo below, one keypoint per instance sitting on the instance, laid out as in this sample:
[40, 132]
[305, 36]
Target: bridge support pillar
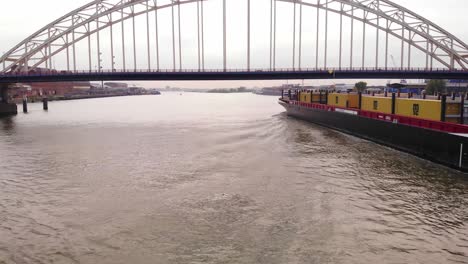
[6, 108]
[4, 94]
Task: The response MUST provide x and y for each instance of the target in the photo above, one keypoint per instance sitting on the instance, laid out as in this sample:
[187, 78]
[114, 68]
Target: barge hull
[444, 148]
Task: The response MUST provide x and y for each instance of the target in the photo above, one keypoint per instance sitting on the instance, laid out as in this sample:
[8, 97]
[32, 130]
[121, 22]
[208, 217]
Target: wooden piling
[25, 105]
[45, 104]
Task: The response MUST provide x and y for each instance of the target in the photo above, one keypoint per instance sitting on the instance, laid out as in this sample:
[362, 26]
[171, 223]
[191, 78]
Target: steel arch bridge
[443, 54]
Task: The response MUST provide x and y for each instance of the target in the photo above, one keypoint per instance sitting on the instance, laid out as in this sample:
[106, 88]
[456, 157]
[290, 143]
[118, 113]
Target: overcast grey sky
[21, 18]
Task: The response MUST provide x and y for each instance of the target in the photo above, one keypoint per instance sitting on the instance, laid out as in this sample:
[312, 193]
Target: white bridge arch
[387, 17]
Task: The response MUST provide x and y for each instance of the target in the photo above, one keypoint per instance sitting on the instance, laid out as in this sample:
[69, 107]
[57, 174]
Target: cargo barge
[430, 128]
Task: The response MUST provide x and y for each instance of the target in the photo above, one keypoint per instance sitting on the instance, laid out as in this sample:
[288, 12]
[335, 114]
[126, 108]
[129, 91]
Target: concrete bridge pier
[6, 108]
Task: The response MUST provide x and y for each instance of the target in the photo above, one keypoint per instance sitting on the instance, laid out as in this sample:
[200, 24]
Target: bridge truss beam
[393, 20]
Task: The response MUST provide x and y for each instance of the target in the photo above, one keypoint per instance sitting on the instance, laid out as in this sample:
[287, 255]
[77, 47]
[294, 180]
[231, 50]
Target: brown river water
[215, 178]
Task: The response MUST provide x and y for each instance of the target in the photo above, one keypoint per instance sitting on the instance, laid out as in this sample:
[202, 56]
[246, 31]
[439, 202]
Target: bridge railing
[259, 70]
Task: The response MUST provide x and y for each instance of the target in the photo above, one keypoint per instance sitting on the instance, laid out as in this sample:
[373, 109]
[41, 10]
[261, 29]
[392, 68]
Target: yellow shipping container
[343, 100]
[425, 109]
[452, 120]
[377, 104]
[453, 109]
[317, 97]
[305, 97]
[453, 113]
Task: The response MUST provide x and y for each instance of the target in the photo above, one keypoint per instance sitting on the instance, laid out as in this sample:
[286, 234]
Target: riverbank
[76, 97]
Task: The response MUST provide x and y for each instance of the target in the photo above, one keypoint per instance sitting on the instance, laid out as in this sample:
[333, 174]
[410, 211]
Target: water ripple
[216, 179]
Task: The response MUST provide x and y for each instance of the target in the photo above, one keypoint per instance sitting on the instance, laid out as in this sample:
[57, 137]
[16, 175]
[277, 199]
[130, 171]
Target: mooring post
[25, 104]
[45, 103]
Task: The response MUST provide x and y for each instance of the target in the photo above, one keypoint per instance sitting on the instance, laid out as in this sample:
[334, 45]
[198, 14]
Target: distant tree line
[231, 90]
[436, 86]
[361, 86]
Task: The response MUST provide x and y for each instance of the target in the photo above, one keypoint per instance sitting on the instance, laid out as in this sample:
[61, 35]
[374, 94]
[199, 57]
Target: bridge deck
[195, 75]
